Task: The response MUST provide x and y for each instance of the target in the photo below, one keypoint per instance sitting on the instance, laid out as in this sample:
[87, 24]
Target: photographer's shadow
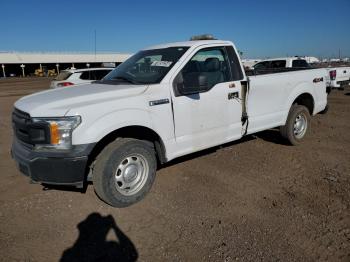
[92, 243]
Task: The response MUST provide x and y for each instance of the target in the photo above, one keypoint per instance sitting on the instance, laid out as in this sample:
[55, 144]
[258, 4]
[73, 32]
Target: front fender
[92, 132]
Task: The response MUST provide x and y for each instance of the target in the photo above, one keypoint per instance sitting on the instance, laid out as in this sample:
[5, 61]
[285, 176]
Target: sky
[259, 28]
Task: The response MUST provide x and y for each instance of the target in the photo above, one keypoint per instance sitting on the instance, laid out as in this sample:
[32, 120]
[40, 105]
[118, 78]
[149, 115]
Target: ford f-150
[164, 102]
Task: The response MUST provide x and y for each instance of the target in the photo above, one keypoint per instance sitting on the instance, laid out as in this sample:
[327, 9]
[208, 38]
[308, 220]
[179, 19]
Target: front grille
[21, 114]
[27, 132]
[21, 123]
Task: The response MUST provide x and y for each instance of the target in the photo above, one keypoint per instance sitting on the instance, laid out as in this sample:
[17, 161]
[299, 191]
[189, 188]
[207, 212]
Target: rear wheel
[297, 125]
[124, 171]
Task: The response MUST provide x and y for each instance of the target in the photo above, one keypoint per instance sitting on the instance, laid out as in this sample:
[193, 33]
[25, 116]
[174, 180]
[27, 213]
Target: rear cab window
[300, 63]
[278, 64]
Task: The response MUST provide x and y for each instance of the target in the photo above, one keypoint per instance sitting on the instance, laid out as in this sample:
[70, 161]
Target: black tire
[118, 156]
[287, 131]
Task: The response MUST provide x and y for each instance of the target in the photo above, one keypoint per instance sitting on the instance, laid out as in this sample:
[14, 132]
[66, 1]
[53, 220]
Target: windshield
[147, 66]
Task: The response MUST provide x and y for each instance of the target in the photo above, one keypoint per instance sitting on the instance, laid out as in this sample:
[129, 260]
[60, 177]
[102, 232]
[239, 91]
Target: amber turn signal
[54, 133]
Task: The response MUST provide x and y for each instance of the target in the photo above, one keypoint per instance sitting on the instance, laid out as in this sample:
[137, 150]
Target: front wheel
[297, 125]
[124, 171]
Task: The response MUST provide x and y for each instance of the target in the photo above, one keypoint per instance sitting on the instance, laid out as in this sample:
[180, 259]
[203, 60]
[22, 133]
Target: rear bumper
[56, 168]
[339, 84]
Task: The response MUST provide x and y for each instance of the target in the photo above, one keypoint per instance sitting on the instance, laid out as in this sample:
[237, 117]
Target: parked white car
[73, 77]
[164, 102]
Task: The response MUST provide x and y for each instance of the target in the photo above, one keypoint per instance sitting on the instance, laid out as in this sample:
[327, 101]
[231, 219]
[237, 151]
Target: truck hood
[58, 102]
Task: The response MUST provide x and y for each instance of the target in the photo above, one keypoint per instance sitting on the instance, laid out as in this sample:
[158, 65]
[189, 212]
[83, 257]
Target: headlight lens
[61, 129]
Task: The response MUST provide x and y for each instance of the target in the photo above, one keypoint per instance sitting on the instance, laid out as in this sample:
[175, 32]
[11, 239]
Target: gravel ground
[257, 199]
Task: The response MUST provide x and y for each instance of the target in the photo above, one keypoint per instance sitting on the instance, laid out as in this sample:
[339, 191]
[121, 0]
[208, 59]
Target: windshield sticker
[161, 63]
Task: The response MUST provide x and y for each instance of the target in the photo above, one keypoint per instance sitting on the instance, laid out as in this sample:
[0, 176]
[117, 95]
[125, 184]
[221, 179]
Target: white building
[13, 62]
[311, 59]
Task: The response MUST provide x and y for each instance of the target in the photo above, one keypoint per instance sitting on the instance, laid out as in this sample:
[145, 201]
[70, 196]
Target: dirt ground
[253, 200]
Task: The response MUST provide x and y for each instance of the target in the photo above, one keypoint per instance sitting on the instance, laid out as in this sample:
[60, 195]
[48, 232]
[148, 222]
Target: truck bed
[269, 101]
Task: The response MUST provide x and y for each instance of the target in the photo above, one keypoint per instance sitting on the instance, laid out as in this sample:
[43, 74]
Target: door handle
[232, 85]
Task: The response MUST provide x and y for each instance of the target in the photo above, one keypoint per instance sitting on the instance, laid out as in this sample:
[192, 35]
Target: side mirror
[193, 85]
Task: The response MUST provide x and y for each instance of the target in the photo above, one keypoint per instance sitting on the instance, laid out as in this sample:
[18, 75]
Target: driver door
[206, 105]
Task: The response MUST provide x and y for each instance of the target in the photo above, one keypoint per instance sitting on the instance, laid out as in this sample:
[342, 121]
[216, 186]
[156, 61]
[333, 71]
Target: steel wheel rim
[300, 125]
[131, 174]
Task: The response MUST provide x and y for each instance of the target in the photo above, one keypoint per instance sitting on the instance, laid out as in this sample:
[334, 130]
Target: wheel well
[137, 132]
[305, 100]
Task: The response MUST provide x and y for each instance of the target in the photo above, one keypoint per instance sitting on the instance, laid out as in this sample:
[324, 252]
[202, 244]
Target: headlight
[61, 129]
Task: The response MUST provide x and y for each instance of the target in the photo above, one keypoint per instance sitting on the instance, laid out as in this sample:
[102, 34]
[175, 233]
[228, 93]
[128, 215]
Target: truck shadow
[347, 94]
[82, 190]
[271, 135]
[205, 152]
[92, 243]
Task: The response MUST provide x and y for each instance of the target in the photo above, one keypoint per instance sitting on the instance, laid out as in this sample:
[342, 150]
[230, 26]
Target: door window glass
[208, 66]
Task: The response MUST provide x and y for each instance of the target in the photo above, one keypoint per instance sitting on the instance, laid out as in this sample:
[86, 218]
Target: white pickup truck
[164, 102]
[339, 77]
[282, 62]
[288, 64]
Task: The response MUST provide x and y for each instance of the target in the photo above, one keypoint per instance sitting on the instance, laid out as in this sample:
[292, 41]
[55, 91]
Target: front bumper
[55, 168]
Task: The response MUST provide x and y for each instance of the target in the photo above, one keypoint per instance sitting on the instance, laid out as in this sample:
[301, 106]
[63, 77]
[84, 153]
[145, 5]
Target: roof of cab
[189, 44]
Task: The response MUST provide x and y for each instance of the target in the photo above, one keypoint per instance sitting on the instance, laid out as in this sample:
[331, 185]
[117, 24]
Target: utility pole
[95, 45]
[3, 71]
[23, 66]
